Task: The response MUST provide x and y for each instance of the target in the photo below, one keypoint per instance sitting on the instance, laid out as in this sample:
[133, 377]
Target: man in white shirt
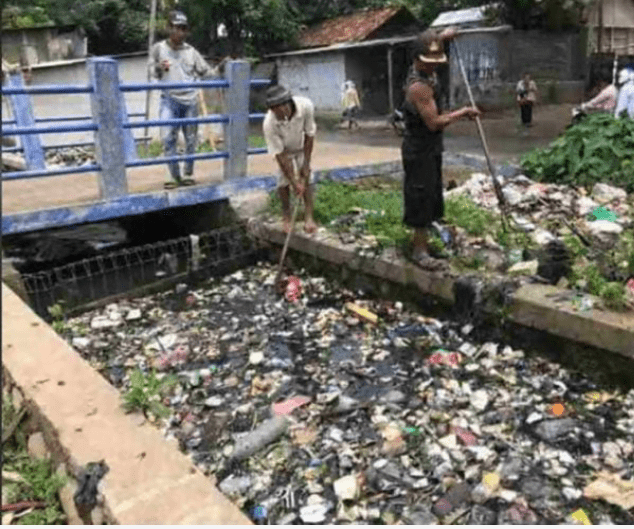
[625, 101]
[174, 61]
[289, 130]
[526, 97]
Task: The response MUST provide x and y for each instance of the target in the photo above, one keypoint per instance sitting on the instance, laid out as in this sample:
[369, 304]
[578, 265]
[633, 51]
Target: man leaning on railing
[174, 61]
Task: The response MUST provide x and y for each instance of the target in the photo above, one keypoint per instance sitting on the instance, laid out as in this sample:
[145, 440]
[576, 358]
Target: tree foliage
[112, 26]
[253, 27]
[553, 15]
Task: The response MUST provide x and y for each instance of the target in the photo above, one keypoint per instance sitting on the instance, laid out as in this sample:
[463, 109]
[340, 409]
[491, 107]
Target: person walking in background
[351, 103]
[625, 101]
[174, 61]
[289, 130]
[423, 142]
[526, 97]
[605, 100]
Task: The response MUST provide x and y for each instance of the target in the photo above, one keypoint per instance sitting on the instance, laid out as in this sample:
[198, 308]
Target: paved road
[375, 142]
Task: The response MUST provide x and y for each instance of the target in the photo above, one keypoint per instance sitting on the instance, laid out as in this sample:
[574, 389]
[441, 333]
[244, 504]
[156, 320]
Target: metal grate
[95, 278]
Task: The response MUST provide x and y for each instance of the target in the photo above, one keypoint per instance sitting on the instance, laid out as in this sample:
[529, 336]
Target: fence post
[237, 108]
[23, 114]
[107, 113]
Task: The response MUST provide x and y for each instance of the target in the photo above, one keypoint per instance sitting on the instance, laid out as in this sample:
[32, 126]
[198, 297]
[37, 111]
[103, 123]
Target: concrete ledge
[531, 305]
[150, 481]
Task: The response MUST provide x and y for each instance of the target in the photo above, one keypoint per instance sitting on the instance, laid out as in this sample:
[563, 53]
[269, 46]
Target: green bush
[599, 149]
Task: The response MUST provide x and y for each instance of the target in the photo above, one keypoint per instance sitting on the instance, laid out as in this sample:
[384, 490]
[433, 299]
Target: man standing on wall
[423, 142]
[289, 130]
[526, 97]
[174, 61]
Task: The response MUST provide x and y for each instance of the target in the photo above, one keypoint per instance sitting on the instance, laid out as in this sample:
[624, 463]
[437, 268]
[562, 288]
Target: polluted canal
[306, 409]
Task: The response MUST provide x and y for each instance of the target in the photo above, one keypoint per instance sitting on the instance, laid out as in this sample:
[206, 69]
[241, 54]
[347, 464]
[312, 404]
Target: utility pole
[149, 50]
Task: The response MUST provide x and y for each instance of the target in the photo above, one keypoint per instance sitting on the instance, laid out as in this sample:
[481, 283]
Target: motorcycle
[578, 115]
[397, 120]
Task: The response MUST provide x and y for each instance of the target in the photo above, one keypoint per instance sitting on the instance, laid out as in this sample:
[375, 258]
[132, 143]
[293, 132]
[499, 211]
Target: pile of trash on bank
[342, 409]
[559, 235]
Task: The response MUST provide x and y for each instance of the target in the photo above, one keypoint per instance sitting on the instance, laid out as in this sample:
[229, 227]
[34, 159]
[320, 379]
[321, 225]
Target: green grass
[41, 483]
[334, 199]
[463, 212]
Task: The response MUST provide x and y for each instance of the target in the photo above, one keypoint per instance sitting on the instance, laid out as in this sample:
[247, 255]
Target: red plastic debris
[177, 356]
[293, 289]
[445, 358]
[190, 300]
[466, 437]
[287, 407]
[519, 514]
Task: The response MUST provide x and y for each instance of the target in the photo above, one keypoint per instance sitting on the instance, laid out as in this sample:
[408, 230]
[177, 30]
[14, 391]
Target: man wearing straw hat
[289, 130]
[174, 61]
[423, 142]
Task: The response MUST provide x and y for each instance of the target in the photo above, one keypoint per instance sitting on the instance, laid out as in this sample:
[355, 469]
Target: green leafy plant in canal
[599, 149]
[58, 314]
[145, 393]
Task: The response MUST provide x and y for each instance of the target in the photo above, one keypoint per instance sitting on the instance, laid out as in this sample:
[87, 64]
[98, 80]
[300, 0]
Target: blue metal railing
[104, 104]
[66, 118]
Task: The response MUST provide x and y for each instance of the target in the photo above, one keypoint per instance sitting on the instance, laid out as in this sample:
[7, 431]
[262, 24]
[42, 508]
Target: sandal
[427, 262]
[188, 182]
[171, 185]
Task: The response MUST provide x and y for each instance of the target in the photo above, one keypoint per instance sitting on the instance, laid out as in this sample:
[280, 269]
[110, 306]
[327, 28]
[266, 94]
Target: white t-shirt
[288, 135]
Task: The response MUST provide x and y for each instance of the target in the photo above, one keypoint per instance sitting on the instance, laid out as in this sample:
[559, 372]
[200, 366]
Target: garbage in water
[613, 489]
[362, 313]
[293, 289]
[410, 409]
[581, 517]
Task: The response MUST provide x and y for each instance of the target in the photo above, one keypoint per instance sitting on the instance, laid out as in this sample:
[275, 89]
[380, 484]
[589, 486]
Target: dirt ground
[507, 139]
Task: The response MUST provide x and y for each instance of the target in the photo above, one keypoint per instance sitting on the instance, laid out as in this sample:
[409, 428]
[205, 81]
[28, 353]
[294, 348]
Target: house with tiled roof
[369, 47]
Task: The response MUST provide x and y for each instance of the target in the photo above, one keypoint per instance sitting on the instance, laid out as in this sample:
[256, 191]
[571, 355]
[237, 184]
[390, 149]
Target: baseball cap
[178, 18]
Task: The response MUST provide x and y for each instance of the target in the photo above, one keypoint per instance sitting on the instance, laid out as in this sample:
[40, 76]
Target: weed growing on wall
[145, 393]
[599, 149]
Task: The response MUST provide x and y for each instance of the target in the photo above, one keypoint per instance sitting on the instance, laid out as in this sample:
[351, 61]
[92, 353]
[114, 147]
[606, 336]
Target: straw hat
[429, 49]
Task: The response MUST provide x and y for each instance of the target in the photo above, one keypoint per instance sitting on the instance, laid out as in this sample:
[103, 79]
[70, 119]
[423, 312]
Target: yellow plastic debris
[581, 517]
[362, 313]
[491, 481]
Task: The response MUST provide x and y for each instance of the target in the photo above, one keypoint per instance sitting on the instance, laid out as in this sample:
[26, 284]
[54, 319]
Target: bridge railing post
[107, 112]
[237, 129]
[22, 108]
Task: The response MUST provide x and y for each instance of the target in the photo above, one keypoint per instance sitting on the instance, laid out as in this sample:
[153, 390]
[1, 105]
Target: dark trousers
[527, 113]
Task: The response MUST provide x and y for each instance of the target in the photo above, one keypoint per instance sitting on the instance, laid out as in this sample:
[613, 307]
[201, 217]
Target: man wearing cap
[423, 141]
[174, 61]
[289, 130]
[625, 101]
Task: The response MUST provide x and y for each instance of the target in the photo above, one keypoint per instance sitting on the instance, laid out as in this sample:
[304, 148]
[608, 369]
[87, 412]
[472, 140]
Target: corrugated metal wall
[319, 77]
